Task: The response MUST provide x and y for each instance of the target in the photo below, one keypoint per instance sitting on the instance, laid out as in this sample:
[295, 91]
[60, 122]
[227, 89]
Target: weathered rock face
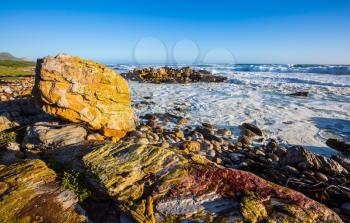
[43, 135]
[339, 145]
[83, 91]
[5, 123]
[154, 184]
[298, 155]
[30, 184]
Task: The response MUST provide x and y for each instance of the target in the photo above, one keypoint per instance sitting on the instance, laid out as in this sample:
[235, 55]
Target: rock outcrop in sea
[172, 75]
[83, 91]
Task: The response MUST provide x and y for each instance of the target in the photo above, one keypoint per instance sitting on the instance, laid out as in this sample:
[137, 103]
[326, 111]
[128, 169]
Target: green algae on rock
[155, 184]
[29, 193]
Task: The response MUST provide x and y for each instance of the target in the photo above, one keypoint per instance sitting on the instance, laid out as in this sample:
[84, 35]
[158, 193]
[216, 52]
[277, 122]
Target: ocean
[258, 93]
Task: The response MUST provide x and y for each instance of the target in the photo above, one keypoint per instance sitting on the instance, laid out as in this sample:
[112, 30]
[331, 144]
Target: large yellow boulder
[83, 91]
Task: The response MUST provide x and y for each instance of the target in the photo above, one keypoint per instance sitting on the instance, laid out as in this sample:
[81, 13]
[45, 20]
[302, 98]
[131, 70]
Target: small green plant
[6, 138]
[72, 181]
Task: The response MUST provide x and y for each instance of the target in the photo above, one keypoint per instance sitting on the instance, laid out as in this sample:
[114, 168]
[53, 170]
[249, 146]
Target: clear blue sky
[250, 31]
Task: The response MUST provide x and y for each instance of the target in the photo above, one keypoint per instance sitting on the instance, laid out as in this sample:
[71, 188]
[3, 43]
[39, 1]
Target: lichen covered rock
[29, 193]
[83, 91]
[154, 184]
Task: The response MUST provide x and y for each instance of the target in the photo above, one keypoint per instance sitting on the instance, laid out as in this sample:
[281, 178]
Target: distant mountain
[9, 56]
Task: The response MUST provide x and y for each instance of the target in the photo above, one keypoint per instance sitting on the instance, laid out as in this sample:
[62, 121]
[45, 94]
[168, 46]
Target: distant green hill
[12, 67]
[9, 56]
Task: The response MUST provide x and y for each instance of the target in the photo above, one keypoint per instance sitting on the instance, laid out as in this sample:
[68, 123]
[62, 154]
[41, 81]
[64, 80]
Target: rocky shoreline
[171, 75]
[163, 169]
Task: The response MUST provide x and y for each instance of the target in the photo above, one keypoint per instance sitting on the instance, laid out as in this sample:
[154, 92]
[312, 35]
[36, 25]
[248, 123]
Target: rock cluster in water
[163, 170]
[172, 75]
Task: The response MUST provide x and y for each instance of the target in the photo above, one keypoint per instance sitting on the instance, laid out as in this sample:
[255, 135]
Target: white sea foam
[261, 98]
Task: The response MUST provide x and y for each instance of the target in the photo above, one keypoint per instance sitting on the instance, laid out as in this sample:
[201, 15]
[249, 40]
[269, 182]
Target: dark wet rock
[208, 125]
[291, 170]
[5, 123]
[298, 154]
[300, 94]
[224, 132]
[344, 161]
[339, 145]
[321, 176]
[208, 134]
[345, 207]
[255, 129]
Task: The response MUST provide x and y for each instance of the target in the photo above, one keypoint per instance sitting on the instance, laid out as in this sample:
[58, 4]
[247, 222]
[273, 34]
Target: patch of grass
[9, 68]
[73, 181]
[16, 64]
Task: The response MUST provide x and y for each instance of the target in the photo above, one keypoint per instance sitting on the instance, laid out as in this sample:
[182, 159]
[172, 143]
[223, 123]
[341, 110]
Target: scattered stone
[207, 146]
[339, 145]
[208, 134]
[83, 91]
[13, 146]
[248, 133]
[165, 145]
[260, 153]
[192, 146]
[273, 157]
[207, 125]
[142, 141]
[46, 135]
[182, 121]
[95, 137]
[5, 123]
[224, 132]
[291, 170]
[297, 154]
[179, 134]
[245, 140]
[321, 176]
[345, 207]
[300, 94]
[212, 153]
[253, 128]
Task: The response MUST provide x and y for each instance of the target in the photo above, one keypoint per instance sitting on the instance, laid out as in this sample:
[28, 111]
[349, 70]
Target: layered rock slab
[154, 184]
[44, 135]
[83, 91]
[29, 193]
